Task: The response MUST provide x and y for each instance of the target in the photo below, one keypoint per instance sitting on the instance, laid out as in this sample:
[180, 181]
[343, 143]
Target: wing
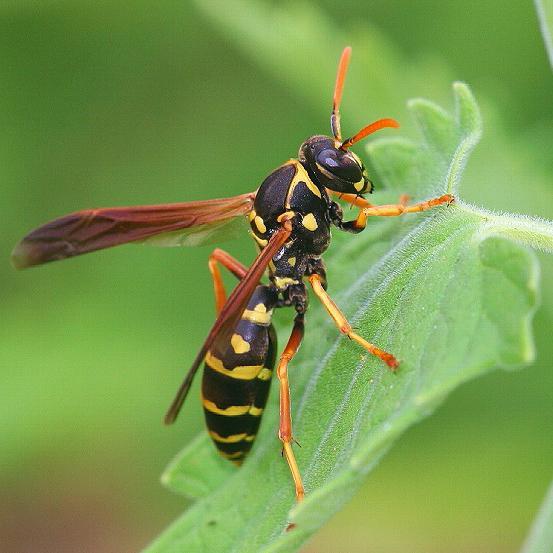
[230, 314]
[189, 223]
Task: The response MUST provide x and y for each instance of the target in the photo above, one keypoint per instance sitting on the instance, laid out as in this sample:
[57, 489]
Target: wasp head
[334, 167]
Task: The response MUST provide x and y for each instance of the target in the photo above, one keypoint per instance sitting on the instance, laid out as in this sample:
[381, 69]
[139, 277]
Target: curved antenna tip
[369, 129]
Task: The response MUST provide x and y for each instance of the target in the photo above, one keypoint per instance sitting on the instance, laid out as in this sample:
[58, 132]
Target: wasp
[290, 216]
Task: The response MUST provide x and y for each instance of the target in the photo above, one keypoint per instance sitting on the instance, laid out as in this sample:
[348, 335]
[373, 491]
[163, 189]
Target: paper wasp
[290, 216]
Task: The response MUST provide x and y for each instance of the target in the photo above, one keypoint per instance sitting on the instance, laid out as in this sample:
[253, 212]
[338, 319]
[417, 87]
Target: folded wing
[189, 223]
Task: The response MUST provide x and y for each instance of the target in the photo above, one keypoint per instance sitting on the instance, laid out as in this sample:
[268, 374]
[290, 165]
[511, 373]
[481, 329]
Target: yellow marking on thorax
[252, 215]
[300, 176]
[260, 224]
[313, 187]
[246, 372]
[239, 345]
[233, 439]
[292, 261]
[309, 222]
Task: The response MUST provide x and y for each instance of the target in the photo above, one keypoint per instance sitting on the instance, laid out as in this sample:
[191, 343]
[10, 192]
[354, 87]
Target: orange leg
[285, 427]
[344, 326]
[390, 210]
[234, 266]
[358, 201]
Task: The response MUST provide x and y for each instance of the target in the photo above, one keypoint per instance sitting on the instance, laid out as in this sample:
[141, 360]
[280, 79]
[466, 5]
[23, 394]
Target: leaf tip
[468, 112]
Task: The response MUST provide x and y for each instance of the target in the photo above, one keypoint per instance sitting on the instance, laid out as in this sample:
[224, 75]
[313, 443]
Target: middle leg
[345, 327]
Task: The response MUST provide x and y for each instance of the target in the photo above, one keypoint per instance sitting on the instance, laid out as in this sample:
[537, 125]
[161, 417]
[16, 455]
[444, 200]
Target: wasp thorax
[337, 169]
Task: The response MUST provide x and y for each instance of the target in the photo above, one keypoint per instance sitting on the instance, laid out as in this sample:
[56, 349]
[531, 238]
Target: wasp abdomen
[237, 378]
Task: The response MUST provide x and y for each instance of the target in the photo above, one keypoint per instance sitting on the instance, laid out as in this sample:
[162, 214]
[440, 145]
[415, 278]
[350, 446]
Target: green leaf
[545, 16]
[448, 291]
[540, 539]
[195, 471]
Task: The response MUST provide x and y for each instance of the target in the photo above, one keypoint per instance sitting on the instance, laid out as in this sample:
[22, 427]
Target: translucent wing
[180, 224]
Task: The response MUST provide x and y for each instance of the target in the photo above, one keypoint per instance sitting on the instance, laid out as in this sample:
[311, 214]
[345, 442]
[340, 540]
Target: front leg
[390, 210]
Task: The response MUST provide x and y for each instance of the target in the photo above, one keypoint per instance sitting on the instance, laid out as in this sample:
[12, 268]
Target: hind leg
[285, 426]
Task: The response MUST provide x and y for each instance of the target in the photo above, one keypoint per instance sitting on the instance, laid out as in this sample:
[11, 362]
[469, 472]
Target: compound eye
[328, 159]
[341, 164]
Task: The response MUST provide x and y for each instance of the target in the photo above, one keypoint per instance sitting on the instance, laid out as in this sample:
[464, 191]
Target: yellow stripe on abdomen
[232, 439]
[235, 455]
[246, 372]
[232, 410]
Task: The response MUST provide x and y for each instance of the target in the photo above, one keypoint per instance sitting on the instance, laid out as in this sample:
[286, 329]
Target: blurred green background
[109, 104]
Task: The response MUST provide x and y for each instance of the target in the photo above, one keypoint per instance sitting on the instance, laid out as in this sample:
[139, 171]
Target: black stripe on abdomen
[237, 377]
[233, 409]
